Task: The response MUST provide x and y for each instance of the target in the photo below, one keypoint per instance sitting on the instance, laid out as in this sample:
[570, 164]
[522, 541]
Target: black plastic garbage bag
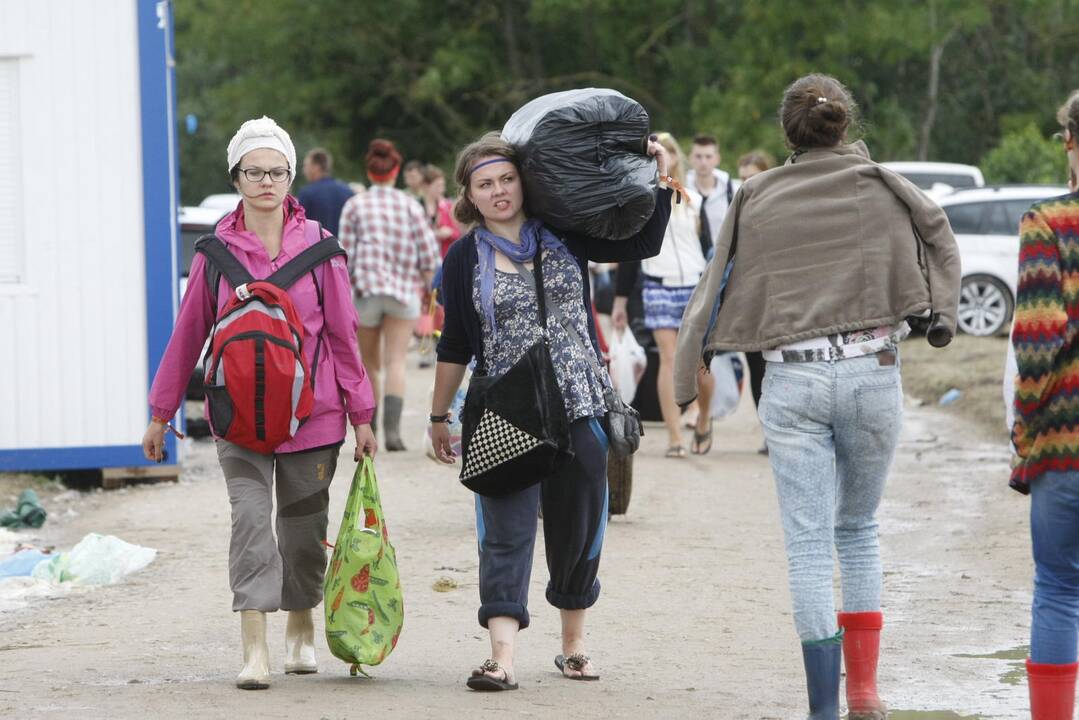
[28, 512]
[583, 161]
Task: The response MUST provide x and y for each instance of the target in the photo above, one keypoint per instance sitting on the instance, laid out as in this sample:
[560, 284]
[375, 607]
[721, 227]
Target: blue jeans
[831, 429]
[1054, 534]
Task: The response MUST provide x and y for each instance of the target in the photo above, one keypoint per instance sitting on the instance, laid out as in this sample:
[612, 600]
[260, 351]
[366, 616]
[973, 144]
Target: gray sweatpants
[286, 573]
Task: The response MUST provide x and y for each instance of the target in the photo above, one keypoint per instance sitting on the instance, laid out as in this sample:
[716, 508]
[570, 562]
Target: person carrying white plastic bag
[726, 368]
[627, 363]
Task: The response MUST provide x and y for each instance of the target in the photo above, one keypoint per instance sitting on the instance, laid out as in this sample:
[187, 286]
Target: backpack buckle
[242, 292]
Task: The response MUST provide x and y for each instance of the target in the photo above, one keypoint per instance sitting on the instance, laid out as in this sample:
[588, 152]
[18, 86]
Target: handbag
[514, 429]
[364, 605]
[624, 429]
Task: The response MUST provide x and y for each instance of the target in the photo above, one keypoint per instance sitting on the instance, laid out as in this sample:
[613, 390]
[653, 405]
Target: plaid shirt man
[389, 244]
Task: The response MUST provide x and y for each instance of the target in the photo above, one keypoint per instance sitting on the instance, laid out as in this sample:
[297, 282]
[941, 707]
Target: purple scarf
[534, 237]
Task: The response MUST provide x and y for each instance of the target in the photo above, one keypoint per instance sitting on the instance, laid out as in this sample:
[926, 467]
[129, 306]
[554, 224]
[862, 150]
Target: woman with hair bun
[1045, 435]
[393, 255]
[832, 253]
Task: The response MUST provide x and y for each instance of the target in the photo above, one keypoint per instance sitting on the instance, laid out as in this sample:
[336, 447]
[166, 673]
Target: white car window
[1016, 210]
[926, 180]
[965, 218]
[999, 220]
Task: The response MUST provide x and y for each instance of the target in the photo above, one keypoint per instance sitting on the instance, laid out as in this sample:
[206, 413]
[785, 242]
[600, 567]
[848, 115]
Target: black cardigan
[462, 332]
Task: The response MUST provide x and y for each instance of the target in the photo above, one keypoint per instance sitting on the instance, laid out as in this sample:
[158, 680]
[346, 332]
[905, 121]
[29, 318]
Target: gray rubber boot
[391, 422]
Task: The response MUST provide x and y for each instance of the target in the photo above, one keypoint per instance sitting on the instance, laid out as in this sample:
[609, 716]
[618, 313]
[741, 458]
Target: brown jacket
[829, 242]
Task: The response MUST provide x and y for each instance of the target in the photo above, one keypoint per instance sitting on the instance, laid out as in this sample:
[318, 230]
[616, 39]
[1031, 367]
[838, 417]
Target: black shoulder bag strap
[316, 254]
[624, 434]
[221, 262]
[556, 312]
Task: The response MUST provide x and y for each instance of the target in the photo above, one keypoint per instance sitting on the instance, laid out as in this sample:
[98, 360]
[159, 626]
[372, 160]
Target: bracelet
[168, 426]
[440, 418]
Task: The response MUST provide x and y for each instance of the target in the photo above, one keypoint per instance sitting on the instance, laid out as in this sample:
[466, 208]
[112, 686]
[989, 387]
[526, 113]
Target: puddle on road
[1016, 653]
[1017, 671]
[929, 715]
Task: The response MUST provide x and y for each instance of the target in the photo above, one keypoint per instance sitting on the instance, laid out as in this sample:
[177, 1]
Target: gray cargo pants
[286, 573]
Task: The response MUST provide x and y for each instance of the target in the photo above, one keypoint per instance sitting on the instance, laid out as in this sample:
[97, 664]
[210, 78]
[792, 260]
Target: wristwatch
[441, 418]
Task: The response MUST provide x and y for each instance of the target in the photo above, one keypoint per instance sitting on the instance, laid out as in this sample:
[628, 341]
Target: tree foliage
[433, 74]
[1025, 156]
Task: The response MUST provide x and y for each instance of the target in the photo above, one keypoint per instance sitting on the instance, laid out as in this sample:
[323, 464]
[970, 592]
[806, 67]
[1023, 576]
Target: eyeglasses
[278, 174]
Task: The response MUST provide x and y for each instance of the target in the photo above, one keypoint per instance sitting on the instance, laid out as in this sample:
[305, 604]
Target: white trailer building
[88, 196]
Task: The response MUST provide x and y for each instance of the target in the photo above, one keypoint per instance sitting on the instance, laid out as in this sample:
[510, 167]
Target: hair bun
[382, 157]
[816, 112]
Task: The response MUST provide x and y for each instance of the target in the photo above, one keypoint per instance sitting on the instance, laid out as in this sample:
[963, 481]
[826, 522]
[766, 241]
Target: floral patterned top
[517, 315]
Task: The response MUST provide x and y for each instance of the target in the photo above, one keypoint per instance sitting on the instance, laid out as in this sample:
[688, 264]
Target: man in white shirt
[714, 186]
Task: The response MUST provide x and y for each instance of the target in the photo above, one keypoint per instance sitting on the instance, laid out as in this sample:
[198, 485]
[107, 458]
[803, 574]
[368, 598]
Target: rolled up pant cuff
[573, 602]
[517, 611]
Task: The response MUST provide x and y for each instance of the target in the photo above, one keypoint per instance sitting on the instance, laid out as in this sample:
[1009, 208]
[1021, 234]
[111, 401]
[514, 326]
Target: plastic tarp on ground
[583, 161]
[95, 560]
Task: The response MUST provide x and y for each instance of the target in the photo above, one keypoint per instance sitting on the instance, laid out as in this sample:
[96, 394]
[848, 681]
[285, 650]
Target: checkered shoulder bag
[514, 429]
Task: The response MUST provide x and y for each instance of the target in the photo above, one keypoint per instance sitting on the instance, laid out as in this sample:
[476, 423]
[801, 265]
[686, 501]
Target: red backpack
[259, 389]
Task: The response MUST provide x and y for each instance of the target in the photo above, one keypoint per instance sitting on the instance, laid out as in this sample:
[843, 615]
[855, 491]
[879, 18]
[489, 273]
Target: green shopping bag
[363, 601]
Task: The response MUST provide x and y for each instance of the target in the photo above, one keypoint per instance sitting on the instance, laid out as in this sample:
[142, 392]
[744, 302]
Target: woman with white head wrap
[268, 573]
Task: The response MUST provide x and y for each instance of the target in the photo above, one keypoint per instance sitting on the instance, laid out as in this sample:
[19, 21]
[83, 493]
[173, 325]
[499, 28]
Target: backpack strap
[306, 262]
[223, 261]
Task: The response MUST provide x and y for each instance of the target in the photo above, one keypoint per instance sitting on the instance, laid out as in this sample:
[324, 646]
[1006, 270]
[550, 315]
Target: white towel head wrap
[261, 133]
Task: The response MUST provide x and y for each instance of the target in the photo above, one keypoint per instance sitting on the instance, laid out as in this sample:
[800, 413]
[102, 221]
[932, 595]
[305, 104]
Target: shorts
[373, 308]
[664, 306]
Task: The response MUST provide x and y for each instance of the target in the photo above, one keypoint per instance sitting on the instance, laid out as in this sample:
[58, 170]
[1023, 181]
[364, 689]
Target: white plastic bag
[725, 368]
[627, 364]
[96, 560]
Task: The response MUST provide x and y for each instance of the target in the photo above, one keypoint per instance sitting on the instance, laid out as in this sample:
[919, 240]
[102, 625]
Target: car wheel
[985, 305]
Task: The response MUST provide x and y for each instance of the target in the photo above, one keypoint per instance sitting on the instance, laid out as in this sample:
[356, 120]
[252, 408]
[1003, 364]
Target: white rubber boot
[256, 671]
[300, 643]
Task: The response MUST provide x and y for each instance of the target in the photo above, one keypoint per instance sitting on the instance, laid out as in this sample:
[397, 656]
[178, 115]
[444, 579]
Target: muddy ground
[693, 621]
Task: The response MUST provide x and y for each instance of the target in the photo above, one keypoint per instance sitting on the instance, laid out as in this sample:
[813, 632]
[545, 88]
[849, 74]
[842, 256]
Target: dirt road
[693, 620]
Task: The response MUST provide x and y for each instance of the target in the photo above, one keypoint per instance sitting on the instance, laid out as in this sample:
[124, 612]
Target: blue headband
[488, 162]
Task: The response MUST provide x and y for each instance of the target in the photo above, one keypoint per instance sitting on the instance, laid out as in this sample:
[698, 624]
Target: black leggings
[755, 360]
[574, 520]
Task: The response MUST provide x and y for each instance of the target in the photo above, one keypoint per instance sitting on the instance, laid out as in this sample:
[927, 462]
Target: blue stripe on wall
[72, 458]
[159, 184]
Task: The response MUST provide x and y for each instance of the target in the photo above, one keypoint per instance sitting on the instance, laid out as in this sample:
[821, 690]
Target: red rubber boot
[1052, 690]
[861, 649]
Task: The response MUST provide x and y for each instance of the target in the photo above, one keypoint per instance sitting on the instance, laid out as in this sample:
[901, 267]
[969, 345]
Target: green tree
[941, 78]
[1025, 155]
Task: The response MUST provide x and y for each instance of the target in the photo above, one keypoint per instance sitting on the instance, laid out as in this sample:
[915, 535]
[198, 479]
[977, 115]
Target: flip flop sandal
[575, 663]
[699, 439]
[482, 682]
[676, 451]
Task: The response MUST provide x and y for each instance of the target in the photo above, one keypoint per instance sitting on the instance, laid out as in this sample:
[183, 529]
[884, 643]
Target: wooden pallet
[116, 478]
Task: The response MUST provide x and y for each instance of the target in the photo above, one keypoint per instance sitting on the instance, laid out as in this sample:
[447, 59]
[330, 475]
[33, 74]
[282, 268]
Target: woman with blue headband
[492, 318]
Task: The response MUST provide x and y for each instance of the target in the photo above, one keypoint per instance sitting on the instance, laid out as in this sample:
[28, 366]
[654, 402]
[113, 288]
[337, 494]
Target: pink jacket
[341, 383]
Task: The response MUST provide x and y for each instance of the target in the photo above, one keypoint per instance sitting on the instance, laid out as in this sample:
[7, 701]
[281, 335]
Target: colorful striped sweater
[1046, 339]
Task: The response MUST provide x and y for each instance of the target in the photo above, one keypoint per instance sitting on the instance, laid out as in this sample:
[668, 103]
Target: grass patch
[973, 365]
